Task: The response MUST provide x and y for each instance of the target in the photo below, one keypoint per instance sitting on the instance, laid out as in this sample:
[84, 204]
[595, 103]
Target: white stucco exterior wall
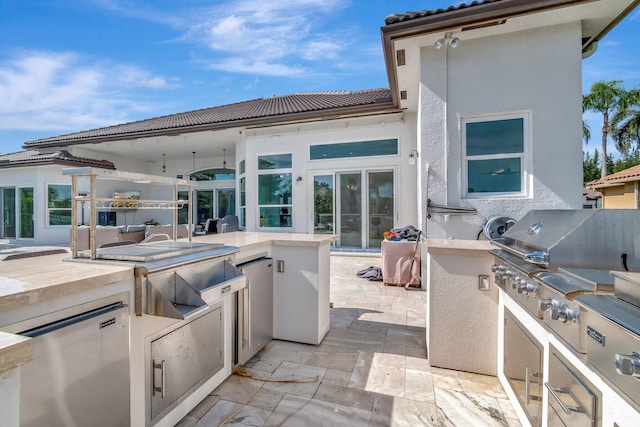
[537, 72]
[296, 139]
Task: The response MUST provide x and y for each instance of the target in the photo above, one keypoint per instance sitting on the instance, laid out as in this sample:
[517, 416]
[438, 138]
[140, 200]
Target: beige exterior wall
[620, 197]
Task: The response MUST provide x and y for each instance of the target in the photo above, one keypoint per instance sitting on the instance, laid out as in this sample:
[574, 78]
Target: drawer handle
[160, 389]
[568, 409]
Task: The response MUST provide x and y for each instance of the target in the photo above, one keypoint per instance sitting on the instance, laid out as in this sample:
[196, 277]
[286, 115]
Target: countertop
[37, 279]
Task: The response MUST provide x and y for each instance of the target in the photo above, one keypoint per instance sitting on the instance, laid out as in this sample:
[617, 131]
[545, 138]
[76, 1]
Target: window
[59, 204]
[274, 190]
[383, 147]
[494, 155]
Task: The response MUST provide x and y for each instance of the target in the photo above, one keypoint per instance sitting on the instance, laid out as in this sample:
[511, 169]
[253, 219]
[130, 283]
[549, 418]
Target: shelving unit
[109, 203]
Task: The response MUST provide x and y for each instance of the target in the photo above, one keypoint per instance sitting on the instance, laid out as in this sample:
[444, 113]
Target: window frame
[524, 155]
[288, 206]
[49, 209]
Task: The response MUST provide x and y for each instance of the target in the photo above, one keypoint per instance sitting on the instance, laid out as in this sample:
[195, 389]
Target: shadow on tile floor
[371, 369]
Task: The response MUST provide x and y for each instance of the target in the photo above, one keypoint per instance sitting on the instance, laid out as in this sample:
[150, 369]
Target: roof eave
[262, 121]
[615, 182]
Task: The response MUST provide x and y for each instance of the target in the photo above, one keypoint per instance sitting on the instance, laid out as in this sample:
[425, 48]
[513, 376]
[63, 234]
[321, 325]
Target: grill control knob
[544, 304]
[495, 267]
[564, 314]
[628, 364]
[532, 289]
[516, 283]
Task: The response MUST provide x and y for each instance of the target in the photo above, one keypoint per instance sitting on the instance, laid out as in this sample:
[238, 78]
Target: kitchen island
[31, 287]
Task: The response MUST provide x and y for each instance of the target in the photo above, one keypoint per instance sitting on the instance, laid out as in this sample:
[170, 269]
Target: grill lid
[607, 239]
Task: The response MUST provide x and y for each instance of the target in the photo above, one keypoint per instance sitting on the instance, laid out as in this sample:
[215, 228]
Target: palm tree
[604, 98]
[626, 122]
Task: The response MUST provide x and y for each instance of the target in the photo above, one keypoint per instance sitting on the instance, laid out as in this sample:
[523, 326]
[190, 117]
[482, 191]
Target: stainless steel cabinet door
[523, 367]
[184, 359]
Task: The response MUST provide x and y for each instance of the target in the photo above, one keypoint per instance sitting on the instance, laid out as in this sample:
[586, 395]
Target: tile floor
[370, 370]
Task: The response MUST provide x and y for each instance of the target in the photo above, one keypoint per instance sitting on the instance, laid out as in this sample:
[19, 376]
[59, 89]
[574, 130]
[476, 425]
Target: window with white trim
[58, 204]
[275, 201]
[494, 153]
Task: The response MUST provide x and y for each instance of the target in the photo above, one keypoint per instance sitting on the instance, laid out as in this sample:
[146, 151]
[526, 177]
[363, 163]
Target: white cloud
[64, 91]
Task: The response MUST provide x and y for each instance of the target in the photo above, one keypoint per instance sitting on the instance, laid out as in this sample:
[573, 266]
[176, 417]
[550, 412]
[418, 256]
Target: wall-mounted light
[164, 165]
[224, 162]
[452, 41]
[413, 155]
[193, 174]
[298, 179]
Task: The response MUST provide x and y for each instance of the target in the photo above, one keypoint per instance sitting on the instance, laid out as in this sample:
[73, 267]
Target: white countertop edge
[15, 351]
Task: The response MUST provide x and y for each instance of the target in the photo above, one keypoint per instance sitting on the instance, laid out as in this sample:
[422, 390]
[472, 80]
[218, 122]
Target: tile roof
[408, 16]
[277, 109]
[623, 175]
[62, 157]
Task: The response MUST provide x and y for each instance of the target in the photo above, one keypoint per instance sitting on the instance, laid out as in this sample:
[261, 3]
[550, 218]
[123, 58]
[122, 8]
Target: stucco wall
[537, 72]
[620, 197]
[297, 139]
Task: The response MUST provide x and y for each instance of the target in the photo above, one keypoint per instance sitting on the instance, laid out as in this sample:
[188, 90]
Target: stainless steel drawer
[573, 401]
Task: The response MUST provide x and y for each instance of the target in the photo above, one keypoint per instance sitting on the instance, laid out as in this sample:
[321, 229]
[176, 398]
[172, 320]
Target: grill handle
[537, 257]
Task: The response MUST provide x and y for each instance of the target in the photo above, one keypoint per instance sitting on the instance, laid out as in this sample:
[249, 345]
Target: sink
[182, 292]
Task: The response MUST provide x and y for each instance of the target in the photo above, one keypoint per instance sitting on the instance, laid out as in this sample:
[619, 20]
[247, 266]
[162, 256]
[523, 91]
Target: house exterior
[312, 162]
[483, 113]
[496, 87]
[620, 190]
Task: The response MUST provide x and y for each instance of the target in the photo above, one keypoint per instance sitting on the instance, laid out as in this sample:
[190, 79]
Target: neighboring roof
[37, 158]
[631, 174]
[590, 194]
[262, 111]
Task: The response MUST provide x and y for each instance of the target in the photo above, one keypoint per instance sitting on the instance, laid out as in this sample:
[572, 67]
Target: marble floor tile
[386, 380]
[204, 406]
[408, 337]
[482, 384]
[266, 399]
[353, 397]
[355, 339]
[333, 376]
[331, 357]
[295, 378]
[400, 412]
[391, 360]
[219, 413]
[238, 389]
[418, 385]
[293, 411]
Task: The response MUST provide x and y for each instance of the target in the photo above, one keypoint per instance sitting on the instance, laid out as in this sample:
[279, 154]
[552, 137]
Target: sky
[73, 65]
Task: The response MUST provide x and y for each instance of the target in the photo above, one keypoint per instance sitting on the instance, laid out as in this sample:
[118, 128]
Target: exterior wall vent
[400, 58]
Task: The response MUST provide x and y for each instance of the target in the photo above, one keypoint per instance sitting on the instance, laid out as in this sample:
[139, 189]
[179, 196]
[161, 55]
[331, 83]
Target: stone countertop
[15, 351]
[249, 240]
[36, 279]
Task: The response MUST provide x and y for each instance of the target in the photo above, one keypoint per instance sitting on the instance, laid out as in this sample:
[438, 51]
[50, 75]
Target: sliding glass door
[381, 199]
[358, 205]
[8, 203]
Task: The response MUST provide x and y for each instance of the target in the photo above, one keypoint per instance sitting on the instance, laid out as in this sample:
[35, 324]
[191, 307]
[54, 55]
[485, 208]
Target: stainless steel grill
[577, 271]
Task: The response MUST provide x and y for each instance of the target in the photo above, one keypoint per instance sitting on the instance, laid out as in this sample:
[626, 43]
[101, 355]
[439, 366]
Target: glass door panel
[350, 185]
[8, 202]
[323, 204]
[204, 206]
[26, 213]
[381, 202]
[226, 202]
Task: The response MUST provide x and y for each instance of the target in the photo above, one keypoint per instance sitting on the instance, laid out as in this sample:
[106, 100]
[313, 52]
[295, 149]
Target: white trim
[524, 156]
